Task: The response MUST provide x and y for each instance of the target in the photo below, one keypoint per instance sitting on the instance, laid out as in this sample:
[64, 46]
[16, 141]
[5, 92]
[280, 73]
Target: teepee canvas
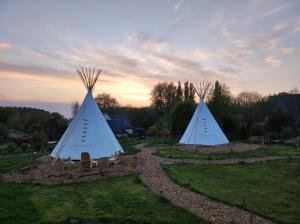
[88, 131]
[203, 128]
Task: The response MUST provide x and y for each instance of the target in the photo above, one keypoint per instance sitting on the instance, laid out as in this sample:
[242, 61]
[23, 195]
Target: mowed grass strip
[269, 150]
[110, 200]
[271, 189]
[128, 145]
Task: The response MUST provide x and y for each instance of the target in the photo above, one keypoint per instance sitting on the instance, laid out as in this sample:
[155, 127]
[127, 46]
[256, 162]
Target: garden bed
[47, 172]
[228, 148]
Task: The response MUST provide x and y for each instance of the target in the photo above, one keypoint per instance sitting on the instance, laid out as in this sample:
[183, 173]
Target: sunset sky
[248, 45]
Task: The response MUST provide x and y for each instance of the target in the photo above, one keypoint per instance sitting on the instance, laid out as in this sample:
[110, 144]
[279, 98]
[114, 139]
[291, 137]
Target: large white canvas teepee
[88, 131]
[203, 128]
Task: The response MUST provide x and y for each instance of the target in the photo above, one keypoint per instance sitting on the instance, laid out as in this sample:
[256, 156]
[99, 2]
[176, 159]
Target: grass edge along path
[269, 150]
[230, 184]
[154, 177]
[113, 200]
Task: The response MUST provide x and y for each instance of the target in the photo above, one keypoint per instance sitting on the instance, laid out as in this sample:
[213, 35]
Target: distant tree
[74, 106]
[220, 101]
[163, 95]
[56, 125]
[186, 91]
[105, 101]
[163, 126]
[278, 120]
[248, 99]
[192, 92]
[3, 133]
[180, 116]
[294, 90]
[38, 139]
[179, 93]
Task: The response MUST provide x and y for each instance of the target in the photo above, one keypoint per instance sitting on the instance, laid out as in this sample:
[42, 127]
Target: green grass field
[128, 145]
[269, 150]
[271, 189]
[111, 200]
[159, 142]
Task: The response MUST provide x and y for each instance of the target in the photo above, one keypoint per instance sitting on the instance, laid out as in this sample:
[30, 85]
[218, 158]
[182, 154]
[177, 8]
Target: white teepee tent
[203, 128]
[88, 131]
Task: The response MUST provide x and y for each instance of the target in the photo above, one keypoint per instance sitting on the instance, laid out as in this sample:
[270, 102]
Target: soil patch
[228, 148]
[46, 172]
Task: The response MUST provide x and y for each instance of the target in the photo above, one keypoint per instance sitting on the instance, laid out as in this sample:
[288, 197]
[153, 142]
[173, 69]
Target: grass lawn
[128, 145]
[271, 189]
[111, 200]
[159, 142]
[269, 150]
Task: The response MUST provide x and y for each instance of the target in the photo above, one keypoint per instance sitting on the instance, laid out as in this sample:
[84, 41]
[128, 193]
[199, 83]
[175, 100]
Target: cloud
[201, 54]
[34, 70]
[148, 42]
[4, 45]
[287, 50]
[275, 10]
[296, 25]
[272, 61]
[178, 5]
[178, 8]
[274, 44]
[282, 25]
[225, 32]
[228, 69]
[237, 57]
[240, 43]
[291, 25]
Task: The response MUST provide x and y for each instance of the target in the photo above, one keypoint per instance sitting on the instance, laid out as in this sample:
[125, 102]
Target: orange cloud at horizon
[17, 86]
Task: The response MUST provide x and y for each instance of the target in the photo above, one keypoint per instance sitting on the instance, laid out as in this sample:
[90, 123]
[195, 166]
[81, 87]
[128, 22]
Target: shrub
[25, 147]
[180, 116]
[287, 132]
[3, 133]
[38, 139]
[258, 128]
[12, 147]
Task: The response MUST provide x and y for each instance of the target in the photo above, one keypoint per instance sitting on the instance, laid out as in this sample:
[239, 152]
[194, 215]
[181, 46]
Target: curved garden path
[154, 177]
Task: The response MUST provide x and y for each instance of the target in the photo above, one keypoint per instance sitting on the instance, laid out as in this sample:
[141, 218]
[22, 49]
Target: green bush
[13, 147]
[180, 116]
[3, 133]
[287, 132]
[38, 139]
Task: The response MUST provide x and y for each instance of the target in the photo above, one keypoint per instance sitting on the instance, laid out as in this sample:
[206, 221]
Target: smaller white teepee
[203, 128]
[88, 131]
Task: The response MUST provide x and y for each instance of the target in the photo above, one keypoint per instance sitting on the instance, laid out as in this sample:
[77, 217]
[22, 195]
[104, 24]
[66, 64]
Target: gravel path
[154, 177]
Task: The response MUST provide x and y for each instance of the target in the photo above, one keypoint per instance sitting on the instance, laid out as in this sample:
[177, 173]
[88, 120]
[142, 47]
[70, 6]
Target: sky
[250, 45]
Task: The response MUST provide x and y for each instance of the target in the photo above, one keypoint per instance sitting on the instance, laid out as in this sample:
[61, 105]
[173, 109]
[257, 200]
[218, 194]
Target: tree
[179, 92]
[294, 91]
[248, 99]
[3, 133]
[180, 116]
[105, 101]
[186, 91]
[192, 92]
[38, 139]
[220, 101]
[163, 95]
[74, 106]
